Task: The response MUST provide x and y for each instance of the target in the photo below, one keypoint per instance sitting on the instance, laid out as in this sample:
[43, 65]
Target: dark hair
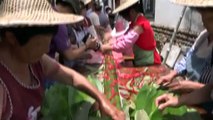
[97, 7]
[107, 8]
[81, 5]
[23, 34]
[66, 4]
[138, 7]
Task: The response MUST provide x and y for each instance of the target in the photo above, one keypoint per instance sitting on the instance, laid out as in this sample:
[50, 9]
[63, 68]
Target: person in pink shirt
[139, 37]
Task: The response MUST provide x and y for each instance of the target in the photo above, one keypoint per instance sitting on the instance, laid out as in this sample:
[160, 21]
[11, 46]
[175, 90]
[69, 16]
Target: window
[149, 8]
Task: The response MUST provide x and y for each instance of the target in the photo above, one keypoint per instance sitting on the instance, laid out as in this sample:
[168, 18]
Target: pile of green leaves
[62, 102]
[144, 107]
[65, 103]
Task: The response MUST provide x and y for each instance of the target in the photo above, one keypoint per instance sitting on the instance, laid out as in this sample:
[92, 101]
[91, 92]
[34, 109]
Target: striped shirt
[207, 75]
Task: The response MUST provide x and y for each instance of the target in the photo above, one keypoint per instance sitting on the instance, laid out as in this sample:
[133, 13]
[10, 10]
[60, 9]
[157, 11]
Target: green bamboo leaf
[97, 83]
[180, 111]
[151, 96]
[141, 98]
[156, 115]
[82, 110]
[56, 107]
[141, 115]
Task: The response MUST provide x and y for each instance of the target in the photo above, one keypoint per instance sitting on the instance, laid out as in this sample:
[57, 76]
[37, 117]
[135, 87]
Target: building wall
[167, 14]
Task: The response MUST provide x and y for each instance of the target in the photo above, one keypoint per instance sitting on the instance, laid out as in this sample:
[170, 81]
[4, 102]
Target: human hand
[106, 47]
[107, 37]
[164, 80]
[109, 110]
[183, 86]
[88, 56]
[167, 100]
[91, 43]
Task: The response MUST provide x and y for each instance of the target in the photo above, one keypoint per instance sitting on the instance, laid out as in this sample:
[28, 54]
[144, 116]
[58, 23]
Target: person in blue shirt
[197, 61]
[197, 65]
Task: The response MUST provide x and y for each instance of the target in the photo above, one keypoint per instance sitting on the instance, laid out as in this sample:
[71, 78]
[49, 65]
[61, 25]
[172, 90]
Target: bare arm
[198, 96]
[165, 80]
[125, 41]
[173, 73]
[72, 54]
[70, 77]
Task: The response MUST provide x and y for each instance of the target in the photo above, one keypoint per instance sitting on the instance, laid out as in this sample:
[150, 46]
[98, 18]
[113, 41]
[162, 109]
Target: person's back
[104, 20]
[94, 18]
[60, 41]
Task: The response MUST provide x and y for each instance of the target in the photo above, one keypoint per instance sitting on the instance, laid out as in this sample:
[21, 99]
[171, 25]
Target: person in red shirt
[140, 36]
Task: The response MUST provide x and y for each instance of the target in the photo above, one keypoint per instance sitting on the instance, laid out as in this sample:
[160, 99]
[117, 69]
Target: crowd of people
[32, 32]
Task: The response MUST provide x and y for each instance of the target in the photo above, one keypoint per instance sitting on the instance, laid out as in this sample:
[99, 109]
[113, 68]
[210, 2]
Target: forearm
[126, 41]
[197, 85]
[197, 96]
[84, 56]
[70, 77]
[73, 54]
[173, 74]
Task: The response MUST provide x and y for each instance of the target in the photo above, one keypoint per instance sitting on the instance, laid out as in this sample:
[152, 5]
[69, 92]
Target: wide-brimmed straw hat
[31, 13]
[194, 3]
[124, 4]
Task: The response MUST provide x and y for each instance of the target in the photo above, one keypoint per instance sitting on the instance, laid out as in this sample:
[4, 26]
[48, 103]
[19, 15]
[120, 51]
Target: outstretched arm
[70, 77]
[124, 42]
[198, 96]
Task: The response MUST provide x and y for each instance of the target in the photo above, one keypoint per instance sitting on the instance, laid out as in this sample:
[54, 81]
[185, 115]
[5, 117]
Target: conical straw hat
[32, 12]
[194, 3]
[124, 4]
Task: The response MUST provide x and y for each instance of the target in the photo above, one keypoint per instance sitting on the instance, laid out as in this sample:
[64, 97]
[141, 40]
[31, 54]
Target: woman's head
[83, 9]
[97, 8]
[65, 7]
[129, 9]
[28, 44]
[130, 12]
[27, 27]
[205, 7]
[207, 17]
[108, 10]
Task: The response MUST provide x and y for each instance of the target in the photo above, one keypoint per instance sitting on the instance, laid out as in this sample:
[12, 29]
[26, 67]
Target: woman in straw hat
[27, 27]
[205, 94]
[140, 36]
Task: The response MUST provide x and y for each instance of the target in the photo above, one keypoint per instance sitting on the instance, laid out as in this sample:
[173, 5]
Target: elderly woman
[204, 94]
[140, 36]
[27, 27]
